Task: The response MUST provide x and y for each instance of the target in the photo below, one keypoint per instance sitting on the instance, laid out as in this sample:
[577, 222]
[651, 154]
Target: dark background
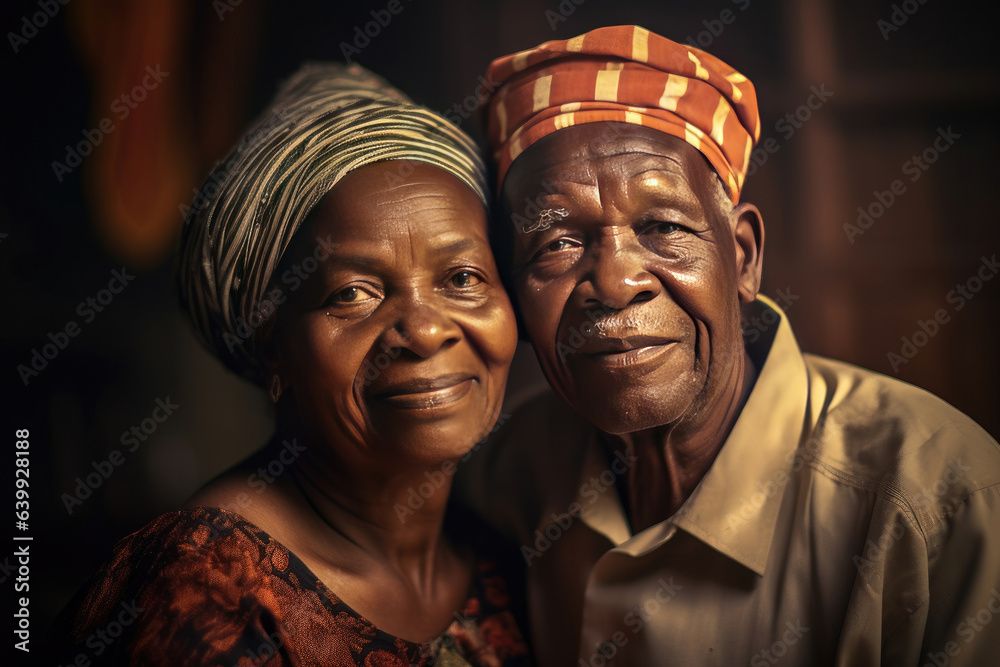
[60, 241]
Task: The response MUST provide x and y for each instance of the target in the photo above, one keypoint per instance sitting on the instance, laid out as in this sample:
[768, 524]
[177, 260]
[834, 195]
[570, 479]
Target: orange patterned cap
[626, 74]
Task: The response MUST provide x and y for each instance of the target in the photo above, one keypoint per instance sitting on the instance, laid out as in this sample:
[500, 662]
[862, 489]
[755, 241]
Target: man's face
[628, 279]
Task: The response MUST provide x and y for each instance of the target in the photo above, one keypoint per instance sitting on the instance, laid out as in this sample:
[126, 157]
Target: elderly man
[688, 497]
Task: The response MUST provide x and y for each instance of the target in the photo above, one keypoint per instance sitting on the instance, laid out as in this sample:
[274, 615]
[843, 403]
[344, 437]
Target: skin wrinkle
[685, 283]
[413, 298]
[337, 505]
[688, 207]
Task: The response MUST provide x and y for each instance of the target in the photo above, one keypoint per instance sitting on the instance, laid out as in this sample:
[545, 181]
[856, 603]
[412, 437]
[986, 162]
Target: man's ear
[748, 237]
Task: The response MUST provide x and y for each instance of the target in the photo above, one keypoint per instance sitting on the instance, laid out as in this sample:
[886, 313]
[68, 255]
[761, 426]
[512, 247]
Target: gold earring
[275, 391]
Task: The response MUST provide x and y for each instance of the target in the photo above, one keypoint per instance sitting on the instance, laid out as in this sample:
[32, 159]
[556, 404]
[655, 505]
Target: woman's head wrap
[625, 74]
[325, 122]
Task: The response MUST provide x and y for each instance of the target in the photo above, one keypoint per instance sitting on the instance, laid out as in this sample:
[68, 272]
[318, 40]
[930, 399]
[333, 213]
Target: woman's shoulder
[168, 569]
[204, 586]
[182, 542]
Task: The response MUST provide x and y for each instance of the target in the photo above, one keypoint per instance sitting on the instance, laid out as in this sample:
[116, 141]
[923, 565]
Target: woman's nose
[423, 329]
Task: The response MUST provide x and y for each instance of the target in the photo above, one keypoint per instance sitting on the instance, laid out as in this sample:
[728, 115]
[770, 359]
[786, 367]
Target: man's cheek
[541, 308]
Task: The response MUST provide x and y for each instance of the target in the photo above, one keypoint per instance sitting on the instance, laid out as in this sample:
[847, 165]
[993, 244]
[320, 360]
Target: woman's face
[396, 336]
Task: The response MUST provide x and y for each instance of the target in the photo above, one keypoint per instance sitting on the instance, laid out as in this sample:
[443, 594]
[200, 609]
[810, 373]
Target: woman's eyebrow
[456, 247]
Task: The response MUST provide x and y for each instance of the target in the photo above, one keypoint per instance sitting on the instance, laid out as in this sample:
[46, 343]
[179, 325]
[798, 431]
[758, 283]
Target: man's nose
[422, 327]
[618, 276]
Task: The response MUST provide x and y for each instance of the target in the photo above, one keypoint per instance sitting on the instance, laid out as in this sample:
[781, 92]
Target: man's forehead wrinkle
[665, 183]
[537, 162]
[549, 178]
[570, 165]
[628, 166]
[587, 181]
[631, 151]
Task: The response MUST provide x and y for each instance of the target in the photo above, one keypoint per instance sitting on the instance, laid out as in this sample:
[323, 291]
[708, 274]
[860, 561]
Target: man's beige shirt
[849, 519]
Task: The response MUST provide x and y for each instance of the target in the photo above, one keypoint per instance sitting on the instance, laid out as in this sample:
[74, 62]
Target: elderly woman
[341, 260]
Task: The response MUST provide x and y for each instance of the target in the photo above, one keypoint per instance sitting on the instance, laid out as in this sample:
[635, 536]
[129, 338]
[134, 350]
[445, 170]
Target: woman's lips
[425, 393]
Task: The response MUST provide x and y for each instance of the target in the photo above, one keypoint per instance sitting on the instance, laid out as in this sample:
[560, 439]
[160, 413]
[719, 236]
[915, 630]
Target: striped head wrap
[325, 122]
[631, 75]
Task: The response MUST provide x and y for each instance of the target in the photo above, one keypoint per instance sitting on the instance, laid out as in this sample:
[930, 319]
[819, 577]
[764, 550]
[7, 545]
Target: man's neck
[673, 459]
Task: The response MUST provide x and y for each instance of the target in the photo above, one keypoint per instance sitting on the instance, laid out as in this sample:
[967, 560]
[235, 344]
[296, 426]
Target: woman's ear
[748, 237]
[269, 357]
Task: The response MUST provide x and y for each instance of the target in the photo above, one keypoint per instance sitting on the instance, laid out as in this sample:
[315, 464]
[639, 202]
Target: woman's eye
[350, 295]
[465, 279]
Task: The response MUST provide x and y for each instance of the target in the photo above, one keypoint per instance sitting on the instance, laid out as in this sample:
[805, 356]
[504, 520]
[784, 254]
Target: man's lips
[626, 350]
[423, 392]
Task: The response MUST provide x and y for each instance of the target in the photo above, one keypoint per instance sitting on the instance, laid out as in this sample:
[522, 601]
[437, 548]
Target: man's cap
[625, 74]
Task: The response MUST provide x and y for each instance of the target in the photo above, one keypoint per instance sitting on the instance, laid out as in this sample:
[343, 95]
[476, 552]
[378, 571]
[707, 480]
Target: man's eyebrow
[673, 165]
[659, 169]
[653, 175]
[656, 156]
[667, 171]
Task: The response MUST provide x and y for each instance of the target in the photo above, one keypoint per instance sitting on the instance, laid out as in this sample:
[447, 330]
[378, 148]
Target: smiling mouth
[627, 352]
[426, 393]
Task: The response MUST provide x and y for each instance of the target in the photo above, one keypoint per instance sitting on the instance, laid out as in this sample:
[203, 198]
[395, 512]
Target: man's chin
[620, 401]
[624, 414]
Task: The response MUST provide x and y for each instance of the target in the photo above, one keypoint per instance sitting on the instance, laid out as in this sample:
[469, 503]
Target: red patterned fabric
[206, 587]
[625, 74]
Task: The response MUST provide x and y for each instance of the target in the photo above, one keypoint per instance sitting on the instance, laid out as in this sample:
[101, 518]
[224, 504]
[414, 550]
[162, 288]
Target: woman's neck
[390, 516]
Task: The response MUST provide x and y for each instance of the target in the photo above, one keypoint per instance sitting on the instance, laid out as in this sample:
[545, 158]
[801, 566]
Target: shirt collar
[734, 508]
[603, 513]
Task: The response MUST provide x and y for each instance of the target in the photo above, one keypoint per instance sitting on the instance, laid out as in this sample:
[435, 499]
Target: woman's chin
[435, 442]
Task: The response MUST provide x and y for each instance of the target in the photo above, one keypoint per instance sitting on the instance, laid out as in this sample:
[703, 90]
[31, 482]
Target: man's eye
[465, 279]
[556, 246]
[667, 228]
